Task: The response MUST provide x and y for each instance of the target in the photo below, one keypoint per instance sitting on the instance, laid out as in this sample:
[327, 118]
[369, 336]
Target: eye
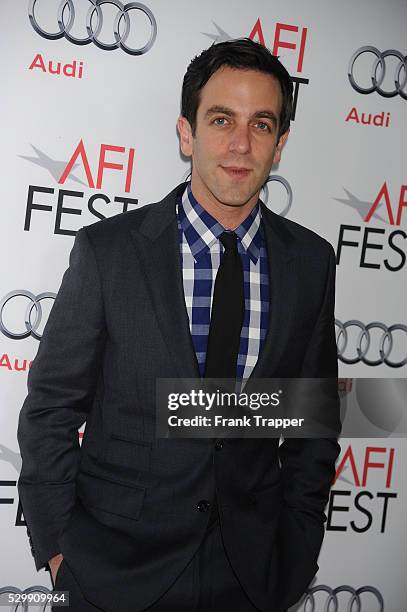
[220, 121]
[264, 127]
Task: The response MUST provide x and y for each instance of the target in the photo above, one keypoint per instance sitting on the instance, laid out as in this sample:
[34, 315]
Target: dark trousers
[207, 584]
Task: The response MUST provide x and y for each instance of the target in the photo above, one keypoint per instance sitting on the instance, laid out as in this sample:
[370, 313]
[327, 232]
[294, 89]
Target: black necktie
[227, 313]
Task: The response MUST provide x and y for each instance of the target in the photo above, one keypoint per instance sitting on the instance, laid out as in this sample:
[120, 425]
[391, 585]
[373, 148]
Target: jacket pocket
[109, 495]
[128, 452]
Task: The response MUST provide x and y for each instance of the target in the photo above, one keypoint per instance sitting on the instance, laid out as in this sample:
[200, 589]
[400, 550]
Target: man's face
[235, 142]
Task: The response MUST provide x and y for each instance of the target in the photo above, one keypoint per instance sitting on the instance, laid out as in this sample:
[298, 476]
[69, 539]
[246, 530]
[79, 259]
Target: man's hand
[54, 564]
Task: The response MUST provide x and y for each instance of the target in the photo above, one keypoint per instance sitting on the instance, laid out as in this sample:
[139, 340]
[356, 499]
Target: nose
[240, 139]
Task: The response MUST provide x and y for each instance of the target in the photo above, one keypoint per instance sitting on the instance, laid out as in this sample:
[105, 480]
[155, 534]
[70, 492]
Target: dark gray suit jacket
[123, 507]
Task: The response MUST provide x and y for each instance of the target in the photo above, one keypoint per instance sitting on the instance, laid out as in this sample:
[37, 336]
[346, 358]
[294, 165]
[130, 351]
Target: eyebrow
[261, 114]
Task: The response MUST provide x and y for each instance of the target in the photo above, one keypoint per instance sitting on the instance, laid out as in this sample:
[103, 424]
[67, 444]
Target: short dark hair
[241, 53]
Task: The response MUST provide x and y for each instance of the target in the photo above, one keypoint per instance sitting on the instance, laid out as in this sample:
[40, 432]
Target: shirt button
[219, 445]
[203, 505]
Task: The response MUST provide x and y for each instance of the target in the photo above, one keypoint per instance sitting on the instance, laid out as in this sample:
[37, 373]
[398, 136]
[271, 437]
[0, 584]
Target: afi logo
[110, 158]
[362, 509]
[368, 241]
[278, 43]
[370, 462]
[384, 197]
[80, 152]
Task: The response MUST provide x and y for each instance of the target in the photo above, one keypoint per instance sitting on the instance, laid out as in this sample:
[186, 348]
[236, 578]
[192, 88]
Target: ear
[279, 147]
[185, 135]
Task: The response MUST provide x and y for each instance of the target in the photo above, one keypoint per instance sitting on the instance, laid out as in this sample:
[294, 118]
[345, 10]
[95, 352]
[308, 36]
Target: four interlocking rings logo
[363, 342]
[34, 303]
[354, 603]
[65, 25]
[379, 71]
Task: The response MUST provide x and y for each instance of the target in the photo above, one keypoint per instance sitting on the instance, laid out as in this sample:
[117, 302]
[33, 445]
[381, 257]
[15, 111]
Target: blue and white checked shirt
[201, 253]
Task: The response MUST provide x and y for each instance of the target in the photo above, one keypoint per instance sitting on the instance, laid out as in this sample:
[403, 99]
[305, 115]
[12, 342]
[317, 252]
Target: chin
[230, 198]
[236, 203]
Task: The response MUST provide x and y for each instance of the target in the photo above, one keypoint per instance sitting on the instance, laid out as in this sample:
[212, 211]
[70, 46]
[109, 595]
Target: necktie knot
[229, 241]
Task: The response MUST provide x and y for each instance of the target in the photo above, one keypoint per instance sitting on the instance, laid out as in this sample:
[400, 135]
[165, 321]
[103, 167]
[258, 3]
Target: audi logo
[378, 72]
[34, 303]
[353, 604]
[363, 342]
[93, 29]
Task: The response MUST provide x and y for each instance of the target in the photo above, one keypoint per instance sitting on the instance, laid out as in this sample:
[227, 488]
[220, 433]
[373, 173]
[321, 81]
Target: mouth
[236, 171]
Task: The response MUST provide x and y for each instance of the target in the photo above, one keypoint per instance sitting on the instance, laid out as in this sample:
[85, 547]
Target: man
[207, 282]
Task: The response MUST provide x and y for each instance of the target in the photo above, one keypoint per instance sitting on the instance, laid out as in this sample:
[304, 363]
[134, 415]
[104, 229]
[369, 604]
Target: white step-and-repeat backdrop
[88, 131]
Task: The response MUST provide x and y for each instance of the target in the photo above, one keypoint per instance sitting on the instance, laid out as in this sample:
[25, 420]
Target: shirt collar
[201, 229]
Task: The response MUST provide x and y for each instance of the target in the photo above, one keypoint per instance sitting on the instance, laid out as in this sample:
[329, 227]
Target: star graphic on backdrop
[54, 167]
[343, 478]
[9, 456]
[221, 36]
[361, 207]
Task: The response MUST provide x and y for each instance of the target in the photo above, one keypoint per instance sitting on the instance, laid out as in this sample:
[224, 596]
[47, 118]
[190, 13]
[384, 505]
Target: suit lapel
[157, 245]
[283, 284]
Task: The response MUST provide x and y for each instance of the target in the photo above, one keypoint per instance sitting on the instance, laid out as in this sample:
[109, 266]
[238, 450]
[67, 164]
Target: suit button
[203, 505]
[219, 445]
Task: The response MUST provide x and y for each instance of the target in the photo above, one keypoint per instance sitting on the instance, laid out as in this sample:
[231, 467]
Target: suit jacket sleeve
[61, 385]
[308, 464]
